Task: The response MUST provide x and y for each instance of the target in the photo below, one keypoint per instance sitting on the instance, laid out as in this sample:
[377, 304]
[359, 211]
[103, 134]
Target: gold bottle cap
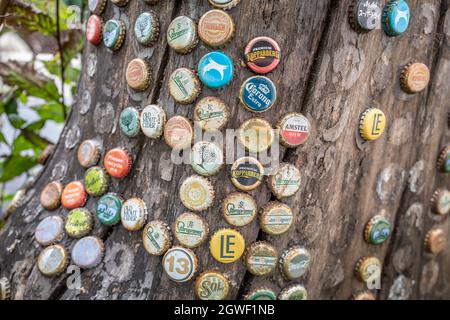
[364, 296]
[184, 86]
[276, 218]
[261, 258]
[211, 114]
[180, 264]
[88, 252]
[285, 181]
[49, 230]
[216, 28]
[79, 223]
[415, 77]
[138, 74]
[178, 133]
[224, 4]
[191, 230]
[372, 124]
[5, 289]
[261, 294]
[294, 130]
[157, 238]
[440, 202]
[51, 195]
[256, 135]
[227, 245]
[294, 263]
[133, 214]
[239, 209]
[294, 292]
[182, 34]
[212, 285]
[197, 193]
[88, 153]
[247, 173]
[435, 241]
[206, 158]
[53, 260]
[367, 268]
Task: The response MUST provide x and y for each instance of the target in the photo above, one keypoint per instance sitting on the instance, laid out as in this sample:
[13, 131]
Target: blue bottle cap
[396, 16]
[216, 70]
[258, 94]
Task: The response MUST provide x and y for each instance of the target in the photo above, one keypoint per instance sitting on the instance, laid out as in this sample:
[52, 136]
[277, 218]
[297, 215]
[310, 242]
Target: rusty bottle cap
[261, 258]
[224, 4]
[261, 294]
[157, 238]
[443, 162]
[294, 262]
[366, 268]
[5, 289]
[364, 296]
[88, 153]
[51, 195]
[46, 153]
[182, 34]
[285, 181]
[216, 28]
[88, 252]
[294, 292]
[74, 195]
[178, 133]
[138, 74]
[114, 34]
[206, 158]
[146, 28]
[211, 114]
[435, 241]
[97, 6]
[53, 260]
[415, 77]
[256, 135]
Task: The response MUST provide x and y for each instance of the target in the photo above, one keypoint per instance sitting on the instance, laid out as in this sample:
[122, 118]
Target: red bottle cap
[117, 163]
[94, 29]
[262, 55]
[74, 195]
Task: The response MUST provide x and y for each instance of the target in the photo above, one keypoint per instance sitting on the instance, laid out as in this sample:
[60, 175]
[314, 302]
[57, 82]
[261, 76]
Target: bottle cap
[262, 55]
[153, 119]
[182, 35]
[216, 28]
[415, 77]
[206, 158]
[113, 34]
[129, 122]
[216, 70]
[367, 268]
[79, 223]
[191, 230]
[364, 15]
[443, 162]
[212, 285]
[224, 4]
[97, 6]
[258, 94]
[377, 230]
[96, 181]
[256, 135]
[239, 209]
[88, 153]
[294, 292]
[372, 124]
[396, 16]
[227, 245]
[88, 252]
[184, 86]
[117, 163]
[294, 130]
[285, 181]
[120, 3]
[435, 241]
[440, 202]
[5, 289]
[53, 260]
[211, 114]
[178, 132]
[157, 238]
[261, 294]
[94, 27]
[49, 230]
[180, 264]
[261, 258]
[51, 195]
[197, 193]
[276, 218]
[294, 263]
[109, 208]
[146, 28]
[48, 151]
[134, 214]
[364, 296]
[74, 195]
[138, 74]
[247, 173]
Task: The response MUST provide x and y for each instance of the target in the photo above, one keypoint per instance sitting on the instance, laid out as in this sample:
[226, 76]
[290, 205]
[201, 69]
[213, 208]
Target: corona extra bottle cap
[258, 94]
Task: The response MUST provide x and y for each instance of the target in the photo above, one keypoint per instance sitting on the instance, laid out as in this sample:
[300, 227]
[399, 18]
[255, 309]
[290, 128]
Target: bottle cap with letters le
[247, 173]
[206, 158]
[258, 94]
[294, 262]
[53, 260]
[197, 193]
[88, 153]
[285, 181]
[216, 28]
[261, 258]
[157, 238]
[224, 4]
[276, 218]
[96, 181]
[256, 135]
[153, 119]
[182, 34]
[435, 241]
[94, 28]
[178, 132]
[261, 294]
[216, 70]
[415, 77]
[239, 209]
[49, 231]
[396, 17]
[146, 28]
[377, 230]
[133, 214]
[117, 163]
[367, 268]
[294, 130]
[97, 6]
[211, 114]
[262, 55]
[372, 124]
[138, 74]
[212, 285]
[129, 122]
[74, 195]
[294, 292]
[440, 202]
[79, 223]
[443, 162]
[364, 15]
[88, 252]
[227, 245]
[50, 197]
[109, 208]
[190, 230]
[180, 264]
[184, 86]
[113, 34]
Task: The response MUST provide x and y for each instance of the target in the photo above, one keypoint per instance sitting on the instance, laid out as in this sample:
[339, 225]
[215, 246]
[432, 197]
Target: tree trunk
[330, 74]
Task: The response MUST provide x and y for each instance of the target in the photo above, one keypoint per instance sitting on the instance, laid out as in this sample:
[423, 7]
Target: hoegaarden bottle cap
[256, 135]
[211, 114]
[184, 86]
[367, 267]
[120, 3]
[157, 238]
[224, 4]
[276, 218]
[88, 153]
[212, 285]
[53, 260]
[129, 122]
[178, 132]
[49, 230]
[415, 77]
[372, 124]
[247, 173]
[396, 17]
[261, 294]
[74, 195]
[364, 15]
[294, 292]
[109, 208]
[377, 230]
[146, 28]
[94, 27]
[216, 28]
[443, 162]
[285, 181]
[294, 263]
[88, 252]
[206, 158]
[227, 245]
[261, 258]
[50, 197]
[79, 223]
[435, 241]
[182, 35]
[153, 119]
[96, 181]
[133, 214]
[97, 6]
[180, 264]
[216, 70]
[197, 193]
[113, 34]
[138, 74]
[294, 130]
[262, 55]
[258, 94]
[440, 202]
[117, 163]
[190, 230]
[239, 209]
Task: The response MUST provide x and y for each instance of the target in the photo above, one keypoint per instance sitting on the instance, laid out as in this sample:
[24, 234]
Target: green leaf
[20, 144]
[2, 138]
[15, 166]
[16, 121]
[35, 139]
[50, 111]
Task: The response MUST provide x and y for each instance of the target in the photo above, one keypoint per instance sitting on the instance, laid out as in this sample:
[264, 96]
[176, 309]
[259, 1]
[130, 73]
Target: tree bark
[330, 74]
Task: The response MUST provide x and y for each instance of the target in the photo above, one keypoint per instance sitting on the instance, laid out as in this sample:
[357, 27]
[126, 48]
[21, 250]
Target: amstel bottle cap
[51, 195]
[247, 173]
[364, 15]
[97, 6]
[294, 130]
[184, 86]
[138, 74]
[216, 70]
[49, 230]
[396, 17]
[96, 181]
[276, 218]
[377, 230]
[197, 193]
[224, 4]
[258, 94]
[256, 135]
[157, 238]
[153, 119]
[190, 230]
[372, 124]
[440, 202]
[109, 208]
[367, 268]
[262, 55]
[211, 114]
[206, 158]
[415, 77]
[94, 27]
[294, 292]
[79, 223]
[182, 35]
[129, 122]
[53, 260]
[134, 214]
[88, 252]
[180, 264]
[443, 162]
[261, 258]
[74, 195]
[435, 241]
[285, 181]
[261, 294]
[88, 153]
[212, 285]
[239, 209]
[294, 263]
[178, 133]
[113, 34]
[227, 245]
[117, 163]
[146, 28]
[216, 28]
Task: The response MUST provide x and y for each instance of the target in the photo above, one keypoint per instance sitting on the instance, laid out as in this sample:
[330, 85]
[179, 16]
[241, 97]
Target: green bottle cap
[129, 122]
[108, 209]
[96, 181]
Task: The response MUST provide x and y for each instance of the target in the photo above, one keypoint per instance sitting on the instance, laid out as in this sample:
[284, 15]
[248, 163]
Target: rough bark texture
[329, 73]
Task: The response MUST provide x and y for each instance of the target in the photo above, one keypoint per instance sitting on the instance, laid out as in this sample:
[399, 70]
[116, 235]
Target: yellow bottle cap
[256, 135]
[79, 223]
[227, 245]
[372, 124]
[212, 285]
[197, 193]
